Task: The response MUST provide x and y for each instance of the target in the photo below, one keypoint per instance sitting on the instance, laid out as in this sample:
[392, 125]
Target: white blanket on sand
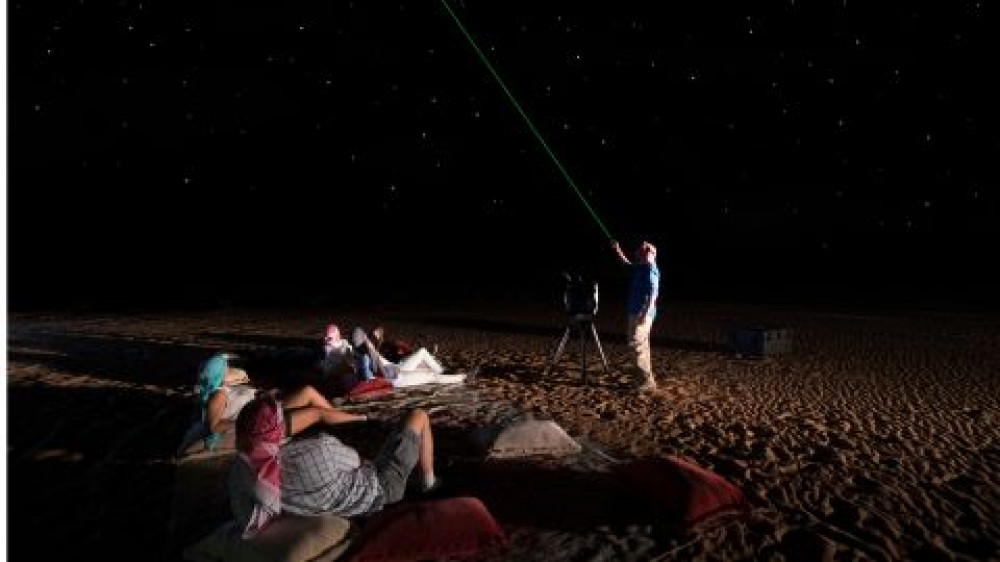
[419, 367]
[413, 378]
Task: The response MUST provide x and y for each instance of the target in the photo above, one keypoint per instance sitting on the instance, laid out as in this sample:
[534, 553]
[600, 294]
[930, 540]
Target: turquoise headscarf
[210, 379]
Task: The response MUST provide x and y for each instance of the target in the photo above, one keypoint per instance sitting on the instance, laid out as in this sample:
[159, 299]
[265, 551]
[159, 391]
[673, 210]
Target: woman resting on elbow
[223, 391]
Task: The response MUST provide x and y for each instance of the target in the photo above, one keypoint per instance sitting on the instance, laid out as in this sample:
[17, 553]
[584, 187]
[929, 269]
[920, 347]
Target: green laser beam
[531, 125]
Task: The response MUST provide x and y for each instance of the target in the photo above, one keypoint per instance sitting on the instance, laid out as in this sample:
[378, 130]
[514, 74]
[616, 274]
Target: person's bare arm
[619, 253]
[304, 418]
[213, 413]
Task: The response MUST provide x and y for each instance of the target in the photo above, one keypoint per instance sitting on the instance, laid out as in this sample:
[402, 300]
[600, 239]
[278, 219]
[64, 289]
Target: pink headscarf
[260, 428]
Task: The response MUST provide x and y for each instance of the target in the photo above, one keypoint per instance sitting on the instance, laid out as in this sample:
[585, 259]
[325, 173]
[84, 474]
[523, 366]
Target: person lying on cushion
[392, 349]
[346, 363]
[420, 361]
[367, 359]
[314, 473]
[338, 354]
[223, 392]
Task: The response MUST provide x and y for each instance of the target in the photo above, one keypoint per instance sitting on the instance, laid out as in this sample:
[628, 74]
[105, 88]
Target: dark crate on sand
[760, 340]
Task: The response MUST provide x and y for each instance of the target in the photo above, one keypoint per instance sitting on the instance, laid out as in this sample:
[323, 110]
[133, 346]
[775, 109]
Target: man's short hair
[647, 249]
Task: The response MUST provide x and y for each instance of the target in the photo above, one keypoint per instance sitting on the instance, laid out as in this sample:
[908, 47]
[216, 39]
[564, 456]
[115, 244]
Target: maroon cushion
[370, 388]
[685, 493]
[429, 529]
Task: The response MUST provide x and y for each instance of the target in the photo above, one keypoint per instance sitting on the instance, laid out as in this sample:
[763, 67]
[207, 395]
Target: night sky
[171, 151]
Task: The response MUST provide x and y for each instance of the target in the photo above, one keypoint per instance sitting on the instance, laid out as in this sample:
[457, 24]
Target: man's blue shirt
[645, 285]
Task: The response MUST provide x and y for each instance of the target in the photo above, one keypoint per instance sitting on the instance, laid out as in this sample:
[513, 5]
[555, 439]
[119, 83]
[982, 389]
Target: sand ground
[876, 438]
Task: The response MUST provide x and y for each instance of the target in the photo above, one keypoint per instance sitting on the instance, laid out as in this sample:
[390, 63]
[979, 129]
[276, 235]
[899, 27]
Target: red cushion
[687, 493]
[374, 387]
[429, 529]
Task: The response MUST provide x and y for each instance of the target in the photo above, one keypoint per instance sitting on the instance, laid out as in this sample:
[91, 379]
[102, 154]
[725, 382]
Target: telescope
[580, 300]
[580, 296]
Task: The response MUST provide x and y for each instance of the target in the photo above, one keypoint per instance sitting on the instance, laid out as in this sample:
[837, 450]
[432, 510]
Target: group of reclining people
[286, 462]
[364, 357]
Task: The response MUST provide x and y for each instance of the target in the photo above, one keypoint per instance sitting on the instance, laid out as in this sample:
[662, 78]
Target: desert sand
[876, 438]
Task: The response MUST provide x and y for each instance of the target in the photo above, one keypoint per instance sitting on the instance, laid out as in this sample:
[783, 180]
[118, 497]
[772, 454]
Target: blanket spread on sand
[415, 378]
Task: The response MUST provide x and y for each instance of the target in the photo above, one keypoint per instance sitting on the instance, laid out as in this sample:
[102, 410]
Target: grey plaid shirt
[319, 474]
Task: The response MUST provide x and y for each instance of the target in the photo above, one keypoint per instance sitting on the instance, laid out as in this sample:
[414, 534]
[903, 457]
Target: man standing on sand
[642, 297]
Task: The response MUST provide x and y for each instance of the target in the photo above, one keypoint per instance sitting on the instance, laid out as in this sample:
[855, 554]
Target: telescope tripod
[583, 324]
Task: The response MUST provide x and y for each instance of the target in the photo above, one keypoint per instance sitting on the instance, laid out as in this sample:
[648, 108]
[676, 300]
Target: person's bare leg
[302, 418]
[305, 396]
[419, 422]
[377, 359]
[419, 360]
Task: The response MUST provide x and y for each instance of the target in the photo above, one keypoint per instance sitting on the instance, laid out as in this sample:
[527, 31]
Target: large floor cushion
[428, 530]
[526, 437]
[685, 493]
[200, 499]
[372, 388]
[287, 538]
